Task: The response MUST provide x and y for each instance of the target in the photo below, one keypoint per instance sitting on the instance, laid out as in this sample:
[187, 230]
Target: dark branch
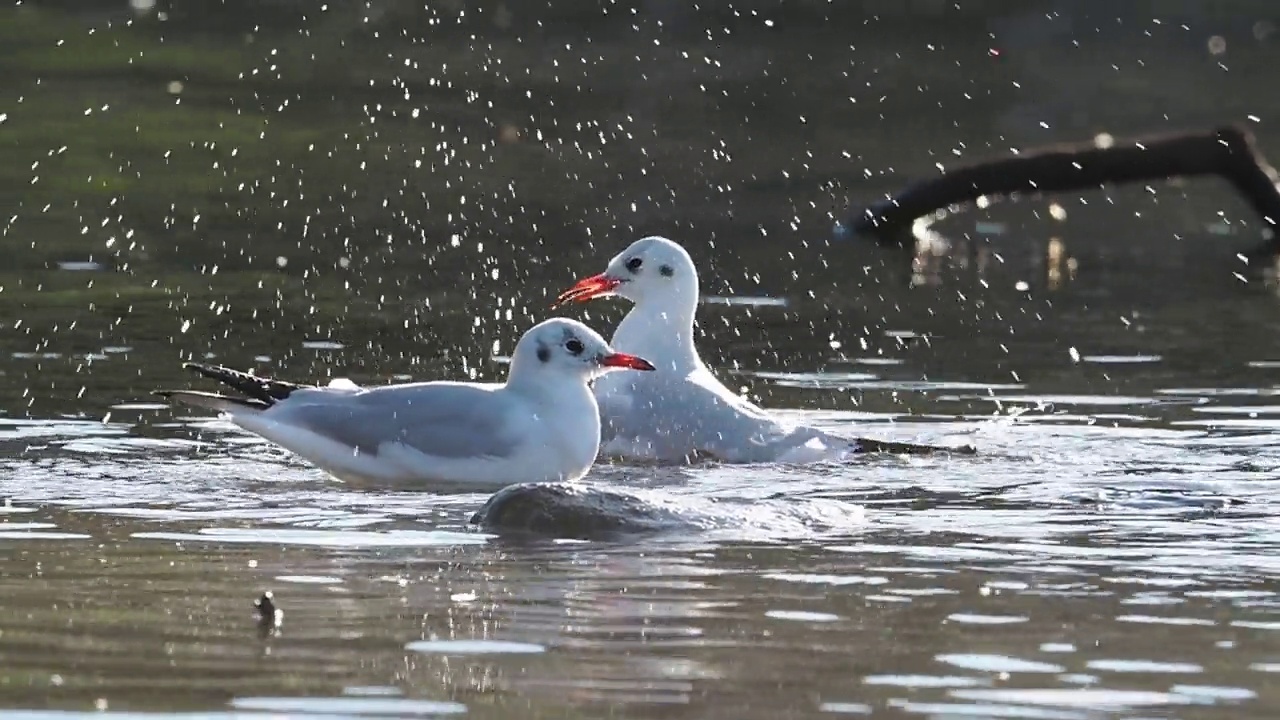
[1229, 152]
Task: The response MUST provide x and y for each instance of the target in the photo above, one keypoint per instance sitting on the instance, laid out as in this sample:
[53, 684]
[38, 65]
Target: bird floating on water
[542, 424]
[682, 413]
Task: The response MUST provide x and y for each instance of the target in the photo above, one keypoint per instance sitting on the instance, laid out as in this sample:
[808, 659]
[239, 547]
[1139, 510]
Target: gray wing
[447, 420]
[686, 416]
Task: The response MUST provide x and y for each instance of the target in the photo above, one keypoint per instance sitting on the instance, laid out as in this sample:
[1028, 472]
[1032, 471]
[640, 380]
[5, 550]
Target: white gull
[682, 413]
[543, 424]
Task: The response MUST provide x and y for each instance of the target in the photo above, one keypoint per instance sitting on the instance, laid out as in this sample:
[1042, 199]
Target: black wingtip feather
[211, 401]
[261, 389]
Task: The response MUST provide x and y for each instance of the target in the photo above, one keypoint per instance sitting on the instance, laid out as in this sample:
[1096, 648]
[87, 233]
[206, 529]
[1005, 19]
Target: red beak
[623, 360]
[587, 289]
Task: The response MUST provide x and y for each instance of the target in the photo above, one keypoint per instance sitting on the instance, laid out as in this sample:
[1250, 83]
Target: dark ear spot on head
[667, 271]
[544, 354]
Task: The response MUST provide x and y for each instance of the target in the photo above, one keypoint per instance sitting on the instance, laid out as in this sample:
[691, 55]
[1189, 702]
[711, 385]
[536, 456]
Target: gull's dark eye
[574, 345]
[634, 264]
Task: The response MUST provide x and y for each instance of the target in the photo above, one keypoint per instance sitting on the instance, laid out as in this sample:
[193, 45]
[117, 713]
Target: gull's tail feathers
[263, 389]
[867, 445]
[214, 401]
[261, 392]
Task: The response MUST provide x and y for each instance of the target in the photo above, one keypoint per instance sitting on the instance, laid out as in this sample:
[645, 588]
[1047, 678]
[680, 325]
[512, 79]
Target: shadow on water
[394, 191]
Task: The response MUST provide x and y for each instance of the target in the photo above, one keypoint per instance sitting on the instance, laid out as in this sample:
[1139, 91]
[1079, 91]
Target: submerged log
[1229, 152]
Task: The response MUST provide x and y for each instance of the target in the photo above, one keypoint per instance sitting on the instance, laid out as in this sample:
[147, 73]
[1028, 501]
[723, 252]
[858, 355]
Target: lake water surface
[1112, 550]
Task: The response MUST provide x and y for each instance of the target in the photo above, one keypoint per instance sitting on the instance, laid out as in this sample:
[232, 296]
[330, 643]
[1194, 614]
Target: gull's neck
[567, 410]
[660, 330]
[543, 387]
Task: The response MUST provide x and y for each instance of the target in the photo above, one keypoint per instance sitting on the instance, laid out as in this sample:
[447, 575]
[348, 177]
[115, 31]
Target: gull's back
[465, 434]
[671, 416]
[440, 419]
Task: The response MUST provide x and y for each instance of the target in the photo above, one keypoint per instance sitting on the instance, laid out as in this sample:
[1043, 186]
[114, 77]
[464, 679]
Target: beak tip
[623, 360]
[588, 289]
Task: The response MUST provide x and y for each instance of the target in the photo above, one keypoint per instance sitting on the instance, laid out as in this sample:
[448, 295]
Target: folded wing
[444, 420]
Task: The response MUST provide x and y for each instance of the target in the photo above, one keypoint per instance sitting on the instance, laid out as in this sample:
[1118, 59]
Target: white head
[566, 349]
[651, 271]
